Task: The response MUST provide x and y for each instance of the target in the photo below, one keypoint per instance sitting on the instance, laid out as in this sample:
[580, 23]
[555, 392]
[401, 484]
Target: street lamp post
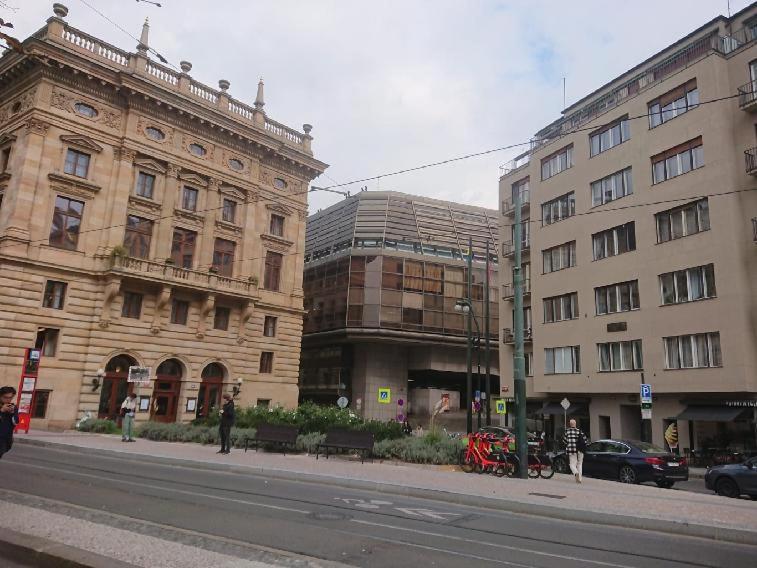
[465, 306]
[520, 362]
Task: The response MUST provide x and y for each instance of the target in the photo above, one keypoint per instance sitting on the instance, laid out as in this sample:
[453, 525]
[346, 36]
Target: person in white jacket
[128, 409]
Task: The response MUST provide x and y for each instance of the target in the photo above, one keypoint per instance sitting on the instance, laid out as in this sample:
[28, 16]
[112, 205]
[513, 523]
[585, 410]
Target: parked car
[733, 479]
[628, 461]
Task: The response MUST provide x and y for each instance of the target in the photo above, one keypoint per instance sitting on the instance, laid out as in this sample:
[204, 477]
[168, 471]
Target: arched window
[170, 368]
[120, 364]
[213, 371]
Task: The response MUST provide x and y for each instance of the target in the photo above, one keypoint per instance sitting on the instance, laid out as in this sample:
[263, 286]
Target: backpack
[581, 443]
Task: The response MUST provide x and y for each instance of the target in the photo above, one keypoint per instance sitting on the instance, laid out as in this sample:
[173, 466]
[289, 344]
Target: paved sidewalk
[597, 501]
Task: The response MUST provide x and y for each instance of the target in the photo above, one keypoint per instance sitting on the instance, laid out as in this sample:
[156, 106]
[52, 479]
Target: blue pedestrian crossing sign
[385, 396]
[646, 393]
[501, 406]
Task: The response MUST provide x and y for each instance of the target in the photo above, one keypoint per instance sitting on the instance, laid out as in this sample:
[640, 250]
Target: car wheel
[627, 474]
[727, 487]
[560, 465]
[665, 484]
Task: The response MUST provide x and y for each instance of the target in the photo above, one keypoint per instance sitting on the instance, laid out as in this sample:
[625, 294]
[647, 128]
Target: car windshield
[648, 448]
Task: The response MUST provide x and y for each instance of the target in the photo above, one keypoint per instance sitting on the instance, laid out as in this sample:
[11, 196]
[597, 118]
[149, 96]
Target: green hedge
[98, 426]
[431, 448]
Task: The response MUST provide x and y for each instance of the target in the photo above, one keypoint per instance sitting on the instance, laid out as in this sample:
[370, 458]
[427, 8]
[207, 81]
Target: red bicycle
[481, 457]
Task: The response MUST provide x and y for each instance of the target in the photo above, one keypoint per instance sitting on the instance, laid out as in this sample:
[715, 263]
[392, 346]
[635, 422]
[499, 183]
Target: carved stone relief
[66, 101]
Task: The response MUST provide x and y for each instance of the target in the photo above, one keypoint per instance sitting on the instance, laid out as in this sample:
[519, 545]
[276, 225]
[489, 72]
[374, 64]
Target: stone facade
[102, 148]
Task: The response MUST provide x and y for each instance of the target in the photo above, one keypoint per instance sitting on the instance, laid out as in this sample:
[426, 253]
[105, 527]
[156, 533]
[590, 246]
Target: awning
[713, 413]
[556, 408]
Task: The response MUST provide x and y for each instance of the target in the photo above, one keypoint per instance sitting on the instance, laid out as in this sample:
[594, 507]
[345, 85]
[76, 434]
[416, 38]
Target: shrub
[161, 432]
[309, 442]
[98, 426]
[432, 449]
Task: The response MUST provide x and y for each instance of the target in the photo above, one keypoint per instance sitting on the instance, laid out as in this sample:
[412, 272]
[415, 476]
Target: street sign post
[27, 386]
[342, 402]
[645, 396]
[565, 403]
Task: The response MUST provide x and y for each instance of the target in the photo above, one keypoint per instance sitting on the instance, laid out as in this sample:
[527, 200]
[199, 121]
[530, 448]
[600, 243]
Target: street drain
[329, 516]
[548, 495]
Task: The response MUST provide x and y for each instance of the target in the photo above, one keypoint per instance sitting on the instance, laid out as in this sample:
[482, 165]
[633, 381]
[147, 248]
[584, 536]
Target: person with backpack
[575, 445]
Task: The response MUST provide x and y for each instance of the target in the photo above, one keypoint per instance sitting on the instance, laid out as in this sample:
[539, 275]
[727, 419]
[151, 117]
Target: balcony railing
[182, 276]
[508, 205]
[508, 335]
[508, 290]
[508, 249]
[748, 96]
[751, 161]
[515, 164]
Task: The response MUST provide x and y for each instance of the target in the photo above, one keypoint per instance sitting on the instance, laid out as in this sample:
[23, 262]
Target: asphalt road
[225, 511]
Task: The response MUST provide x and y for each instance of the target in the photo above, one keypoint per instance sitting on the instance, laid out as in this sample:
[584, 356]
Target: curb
[44, 553]
[720, 534]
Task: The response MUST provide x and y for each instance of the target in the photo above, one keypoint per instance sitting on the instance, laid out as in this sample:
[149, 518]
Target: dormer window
[155, 133]
[236, 165]
[279, 183]
[197, 150]
[77, 163]
[85, 110]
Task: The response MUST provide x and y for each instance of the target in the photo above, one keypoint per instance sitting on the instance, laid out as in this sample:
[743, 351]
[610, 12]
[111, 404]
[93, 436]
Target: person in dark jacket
[227, 421]
[8, 418]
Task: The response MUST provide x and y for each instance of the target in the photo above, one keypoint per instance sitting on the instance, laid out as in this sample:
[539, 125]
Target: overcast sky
[391, 84]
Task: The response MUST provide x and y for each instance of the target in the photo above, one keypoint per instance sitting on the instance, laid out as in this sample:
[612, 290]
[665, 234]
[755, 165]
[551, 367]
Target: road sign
[646, 393]
[478, 395]
[138, 375]
[565, 403]
[385, 396]
[501, 407]
[342, 402]
[646, 414]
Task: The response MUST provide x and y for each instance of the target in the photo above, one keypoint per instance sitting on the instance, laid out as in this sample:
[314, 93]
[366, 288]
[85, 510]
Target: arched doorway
[115, 387]
[209, 397]
[165, 395]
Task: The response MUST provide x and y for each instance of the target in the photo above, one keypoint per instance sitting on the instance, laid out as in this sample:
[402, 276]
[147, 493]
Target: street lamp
[465, 307]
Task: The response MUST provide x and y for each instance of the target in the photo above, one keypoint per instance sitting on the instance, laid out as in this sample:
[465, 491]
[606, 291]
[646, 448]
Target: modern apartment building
[146, 220]
[383, 273]
[641, 255]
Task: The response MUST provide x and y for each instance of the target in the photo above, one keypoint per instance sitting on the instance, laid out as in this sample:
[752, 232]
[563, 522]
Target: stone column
[164, 230]
[117, 199]
[207, 238]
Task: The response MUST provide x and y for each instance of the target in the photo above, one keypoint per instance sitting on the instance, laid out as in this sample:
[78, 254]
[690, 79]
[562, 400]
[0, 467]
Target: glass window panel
[612, 299]
[627, 353]
[667, 284]
[596, 193]
[717, 356]
[673, 359]
[709, 279]
[685, 161]
[696, 283]
[691, 220]
[663, 227]
[617, 362]
[692, 98]
[625, 297]
[549, 311]
[658, 171]
[601, 300]
[702, 351]
[604, 357]
[391, 315]
[549, 361]
[687, 354]
[671, 167]
[704, 215]
[698, 157]
[655, 118]
[638, 359]
[682, 287]
[676, 225]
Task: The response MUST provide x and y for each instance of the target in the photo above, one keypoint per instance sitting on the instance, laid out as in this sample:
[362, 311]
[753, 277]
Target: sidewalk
[594, 501]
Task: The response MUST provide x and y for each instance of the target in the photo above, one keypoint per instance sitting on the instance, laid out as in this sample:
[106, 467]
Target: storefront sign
[139, 375]
[744, 403]
[26, 387]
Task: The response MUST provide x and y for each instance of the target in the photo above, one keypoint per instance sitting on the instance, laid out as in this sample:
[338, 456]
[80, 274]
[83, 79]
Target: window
[221, 318]
[277, 225]
[558, 209]
[615, 298]
[67, 218]
[138, 236]
[620, 356]
[55, 294]
[236, 165]
[155, 133]
[145, 185]
[673, 103]
[189, 199]
[693, 351]
[223, 256]
[688, 285]
[557, 162]
[529, 363]
[272, 279]
[562, 360]
[47, 341]
[683, 221]
[85, 110]
[183, 247]
[612, 187]
[179, 312]
[615, 241]
[609, 136]
[266, 362]
[560, 308]
[77, 163]
[132, 307]
[197, 150]
[40, 398]
[559, 257]
[269, 326]
[279, 183]
[229, 211]
[5, 158]
[678, 161]
[263, 402]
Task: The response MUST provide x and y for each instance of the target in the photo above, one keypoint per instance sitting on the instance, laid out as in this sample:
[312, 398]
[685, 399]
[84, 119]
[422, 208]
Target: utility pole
[487, 352]
[521, 435]
[469, 378]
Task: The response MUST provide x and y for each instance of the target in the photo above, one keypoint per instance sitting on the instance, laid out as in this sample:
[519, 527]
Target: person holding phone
[8, 418]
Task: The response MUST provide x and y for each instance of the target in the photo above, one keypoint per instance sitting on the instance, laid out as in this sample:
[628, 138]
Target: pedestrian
[128, 410]
[575, 445]
[406, 428]
[8, 418]
[227, 421]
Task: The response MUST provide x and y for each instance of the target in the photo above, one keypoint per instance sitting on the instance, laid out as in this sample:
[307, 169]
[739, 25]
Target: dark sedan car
[628, 461]
[733, 479]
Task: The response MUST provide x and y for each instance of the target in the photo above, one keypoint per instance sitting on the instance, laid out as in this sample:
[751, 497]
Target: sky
[393, 84]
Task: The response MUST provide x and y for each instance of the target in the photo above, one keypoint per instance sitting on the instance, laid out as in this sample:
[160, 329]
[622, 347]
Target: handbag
[123, 412]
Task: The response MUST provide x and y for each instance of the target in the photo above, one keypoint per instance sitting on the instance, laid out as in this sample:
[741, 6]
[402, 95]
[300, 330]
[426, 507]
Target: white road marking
[363, 504]
[478, 542]
[438, 515]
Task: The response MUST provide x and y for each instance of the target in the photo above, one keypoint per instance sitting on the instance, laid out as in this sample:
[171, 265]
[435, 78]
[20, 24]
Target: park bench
[347, 440]
[280, 434]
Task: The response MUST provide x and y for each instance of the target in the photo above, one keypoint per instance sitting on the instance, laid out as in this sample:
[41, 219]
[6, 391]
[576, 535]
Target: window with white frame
[611, 187]
[562, 360]
[615, 241]
[620, 356]
[558, 209]
[528, 358]
[673, 103]
[561, 308]
[678, 161]
[683, 221]
[688, 285]
[527, 321]
[557, 162]
[693, 351]
[559, 257]
[615, 298]
[609, 136]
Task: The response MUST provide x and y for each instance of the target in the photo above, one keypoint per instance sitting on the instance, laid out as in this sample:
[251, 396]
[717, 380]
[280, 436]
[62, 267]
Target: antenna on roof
[563, 93]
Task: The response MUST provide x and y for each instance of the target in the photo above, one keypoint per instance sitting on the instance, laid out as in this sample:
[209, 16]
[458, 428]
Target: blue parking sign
[646, 392]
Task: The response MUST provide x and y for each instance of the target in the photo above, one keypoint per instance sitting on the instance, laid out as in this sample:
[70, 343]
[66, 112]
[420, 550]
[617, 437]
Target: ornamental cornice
[73, 185]
[230, 229]
[274, 243]
[146, 207]
[189, 217]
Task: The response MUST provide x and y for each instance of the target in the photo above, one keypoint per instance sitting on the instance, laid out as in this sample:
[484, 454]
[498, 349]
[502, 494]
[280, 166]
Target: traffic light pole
[487, 351]
[519, 360]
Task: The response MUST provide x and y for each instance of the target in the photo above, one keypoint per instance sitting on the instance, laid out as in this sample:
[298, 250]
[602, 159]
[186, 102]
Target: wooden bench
[347, 440]
[280, 434]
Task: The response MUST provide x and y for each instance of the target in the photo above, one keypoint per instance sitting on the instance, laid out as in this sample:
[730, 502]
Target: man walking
[8, 418]
[128, 409]
[227, 421]
[575, 445]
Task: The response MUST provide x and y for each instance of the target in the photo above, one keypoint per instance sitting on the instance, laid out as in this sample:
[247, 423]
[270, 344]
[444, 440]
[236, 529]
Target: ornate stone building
[146, 220]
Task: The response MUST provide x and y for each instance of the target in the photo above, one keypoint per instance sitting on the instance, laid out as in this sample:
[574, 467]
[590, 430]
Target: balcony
[508, 290]
[748, 97]
[515, 164]
[508, 249]
[508, 336]
[751, 161]
[508, 205]
[172, 274]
